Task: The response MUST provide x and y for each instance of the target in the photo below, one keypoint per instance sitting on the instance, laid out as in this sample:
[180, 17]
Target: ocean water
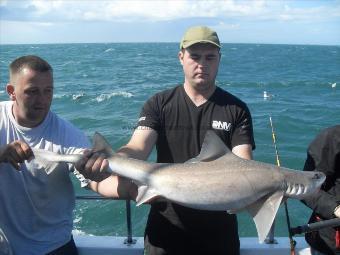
[102, 87]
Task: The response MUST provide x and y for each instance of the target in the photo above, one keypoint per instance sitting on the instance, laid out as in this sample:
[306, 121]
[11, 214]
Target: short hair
[32, 62]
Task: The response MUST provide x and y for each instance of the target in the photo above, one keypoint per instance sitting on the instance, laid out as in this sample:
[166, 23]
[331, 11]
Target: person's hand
[16, 153]
[337, 211]
[93, 166]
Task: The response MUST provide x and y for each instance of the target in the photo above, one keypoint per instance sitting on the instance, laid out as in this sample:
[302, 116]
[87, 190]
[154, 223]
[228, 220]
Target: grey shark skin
[216, 180]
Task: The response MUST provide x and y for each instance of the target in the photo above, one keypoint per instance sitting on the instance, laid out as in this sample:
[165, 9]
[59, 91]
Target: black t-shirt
[323, 155]
[181, 127]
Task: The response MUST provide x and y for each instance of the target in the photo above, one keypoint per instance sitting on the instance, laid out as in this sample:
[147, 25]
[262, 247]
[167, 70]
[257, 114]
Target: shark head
[302, 184]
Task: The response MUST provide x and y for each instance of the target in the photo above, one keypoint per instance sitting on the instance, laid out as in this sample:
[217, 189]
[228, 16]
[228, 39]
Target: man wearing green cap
[176, 121]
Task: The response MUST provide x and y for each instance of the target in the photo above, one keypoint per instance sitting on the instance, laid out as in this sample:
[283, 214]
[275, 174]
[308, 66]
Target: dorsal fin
[101, 145]
[212, 148]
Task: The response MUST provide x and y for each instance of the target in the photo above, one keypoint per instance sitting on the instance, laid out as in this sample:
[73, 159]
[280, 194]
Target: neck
[198, 97]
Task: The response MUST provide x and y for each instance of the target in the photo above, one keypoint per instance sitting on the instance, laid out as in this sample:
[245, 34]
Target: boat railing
[129, 240]
[270, 238]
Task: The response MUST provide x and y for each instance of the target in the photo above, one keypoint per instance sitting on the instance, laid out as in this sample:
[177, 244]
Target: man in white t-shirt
[36, 203]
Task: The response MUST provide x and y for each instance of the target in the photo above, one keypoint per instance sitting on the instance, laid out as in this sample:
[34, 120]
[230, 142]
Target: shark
[215, 180]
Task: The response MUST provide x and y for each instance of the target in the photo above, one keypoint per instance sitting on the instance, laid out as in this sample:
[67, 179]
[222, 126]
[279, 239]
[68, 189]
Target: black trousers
[67, 249]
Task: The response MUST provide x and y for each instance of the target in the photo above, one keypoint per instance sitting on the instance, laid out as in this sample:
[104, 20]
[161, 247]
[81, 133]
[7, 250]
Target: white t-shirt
[36, 204]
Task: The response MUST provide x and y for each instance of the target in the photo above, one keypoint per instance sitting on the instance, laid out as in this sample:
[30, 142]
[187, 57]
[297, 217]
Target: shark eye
[316, 176]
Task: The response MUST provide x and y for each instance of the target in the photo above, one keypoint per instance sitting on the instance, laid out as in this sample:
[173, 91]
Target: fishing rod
[290, 234]
[315, 226]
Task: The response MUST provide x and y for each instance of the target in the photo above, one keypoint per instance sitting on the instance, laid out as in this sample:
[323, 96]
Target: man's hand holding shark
[16, 153]
[94, 166]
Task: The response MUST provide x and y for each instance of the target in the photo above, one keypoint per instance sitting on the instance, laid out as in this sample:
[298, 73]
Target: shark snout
[303, 184]
[319, 177]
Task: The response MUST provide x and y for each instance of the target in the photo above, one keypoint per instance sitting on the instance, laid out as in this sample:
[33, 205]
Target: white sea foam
[103, 97]
[68, 63]
[58, 96]
[77, 219]
[77, 232]
[77, 96]
[109, 49]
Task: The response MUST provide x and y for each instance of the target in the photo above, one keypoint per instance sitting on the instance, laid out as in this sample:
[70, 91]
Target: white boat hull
[107, 245]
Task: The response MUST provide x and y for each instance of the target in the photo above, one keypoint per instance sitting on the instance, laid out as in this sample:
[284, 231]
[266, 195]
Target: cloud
[130, 10]
[162, 20]
[161, 10]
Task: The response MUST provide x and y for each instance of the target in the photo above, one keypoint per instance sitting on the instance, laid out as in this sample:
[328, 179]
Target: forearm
[130, 152]
[115, 187]
[2, 149]
[323, 204]
[140, 144]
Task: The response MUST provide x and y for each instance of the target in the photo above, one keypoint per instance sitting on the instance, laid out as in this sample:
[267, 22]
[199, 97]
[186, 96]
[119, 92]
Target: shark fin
[264, 212]
[212, 148]
[100, 144]
[42, 163]
[145, 194]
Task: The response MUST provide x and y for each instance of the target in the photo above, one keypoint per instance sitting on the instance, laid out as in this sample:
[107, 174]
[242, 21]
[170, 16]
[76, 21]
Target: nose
[202, 62]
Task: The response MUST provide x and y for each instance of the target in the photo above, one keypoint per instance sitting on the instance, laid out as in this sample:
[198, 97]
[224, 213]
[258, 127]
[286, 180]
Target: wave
[79, 232]
[77, 96]
[100, 98]
[104, 97]
[71, 62]
[58, 96]
[72, 96]
[109, 49]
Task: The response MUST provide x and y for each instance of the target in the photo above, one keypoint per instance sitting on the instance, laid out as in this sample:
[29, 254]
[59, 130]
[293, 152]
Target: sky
[236, 21]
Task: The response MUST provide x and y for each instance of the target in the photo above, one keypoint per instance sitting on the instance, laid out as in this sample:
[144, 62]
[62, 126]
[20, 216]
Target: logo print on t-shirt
[142, 118]
[217, 124]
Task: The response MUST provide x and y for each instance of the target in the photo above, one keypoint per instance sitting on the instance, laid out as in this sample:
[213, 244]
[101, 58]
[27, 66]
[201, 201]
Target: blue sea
[102, 87]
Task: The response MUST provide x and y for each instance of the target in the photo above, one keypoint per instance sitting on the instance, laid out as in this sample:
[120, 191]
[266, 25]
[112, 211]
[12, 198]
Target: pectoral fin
[264, 212]
[145, 194]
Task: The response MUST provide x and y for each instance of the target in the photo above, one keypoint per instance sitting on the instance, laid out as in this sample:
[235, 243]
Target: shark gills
[215, 180]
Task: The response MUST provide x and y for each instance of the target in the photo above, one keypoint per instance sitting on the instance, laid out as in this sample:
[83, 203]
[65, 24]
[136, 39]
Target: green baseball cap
[199, 34]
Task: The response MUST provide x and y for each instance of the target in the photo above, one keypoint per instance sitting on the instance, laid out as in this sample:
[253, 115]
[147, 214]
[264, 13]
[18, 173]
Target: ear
[11, 91]
[180, 56]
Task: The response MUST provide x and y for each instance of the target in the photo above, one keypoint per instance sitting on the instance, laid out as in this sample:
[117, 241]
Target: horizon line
[161, 42]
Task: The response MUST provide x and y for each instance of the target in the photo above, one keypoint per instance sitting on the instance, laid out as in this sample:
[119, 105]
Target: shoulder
[225, 98]
[160, 99]
[331, 131]
[5, 104]
[5, 109]
[166, 94]
[327, 137]
[68, 134]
